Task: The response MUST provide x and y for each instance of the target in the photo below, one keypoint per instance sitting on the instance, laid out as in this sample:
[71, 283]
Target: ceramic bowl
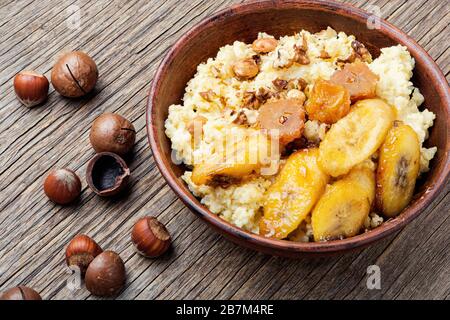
[243, 22]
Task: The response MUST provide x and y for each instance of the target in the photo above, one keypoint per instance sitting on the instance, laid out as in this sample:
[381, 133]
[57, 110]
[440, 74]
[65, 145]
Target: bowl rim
[283, 247]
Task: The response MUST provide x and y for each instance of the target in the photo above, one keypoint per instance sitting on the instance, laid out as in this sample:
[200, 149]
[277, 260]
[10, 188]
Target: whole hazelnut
[81, 251]
[245, 69]
[264, 45]
[150, 237]
[112, 133]
[105, 275]
[20, 293]
[31, 88]
[74, 74]
[62, 186]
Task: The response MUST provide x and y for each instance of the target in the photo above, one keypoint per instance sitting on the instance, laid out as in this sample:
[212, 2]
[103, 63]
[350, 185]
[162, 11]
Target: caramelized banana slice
[398, 168]
[291, 197]
[355, 137]
[237, 161]
[341, 211]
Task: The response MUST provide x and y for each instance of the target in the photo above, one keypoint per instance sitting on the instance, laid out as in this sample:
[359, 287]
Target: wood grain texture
[128, 39]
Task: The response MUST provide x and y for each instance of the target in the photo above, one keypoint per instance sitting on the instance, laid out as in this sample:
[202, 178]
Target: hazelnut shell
[20, 293]
[62, 186]
[31, 88]
[111, 132]
[105, 275]
[107, 174]
[74, 74]
[81, 251]
[150, 237]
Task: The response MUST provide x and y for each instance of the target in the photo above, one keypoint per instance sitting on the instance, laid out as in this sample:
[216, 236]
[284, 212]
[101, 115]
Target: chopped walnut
[263, 94]
[256, 58]
[250, 100]
[361, 51]
[300, 52]
[208, 95]
[300, 55]
[280, 84]
[241, 119]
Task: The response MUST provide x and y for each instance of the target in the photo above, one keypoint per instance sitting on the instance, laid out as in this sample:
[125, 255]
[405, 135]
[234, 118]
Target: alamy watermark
[73, 282]
[373, 277]
[73, 20]
[374, 20]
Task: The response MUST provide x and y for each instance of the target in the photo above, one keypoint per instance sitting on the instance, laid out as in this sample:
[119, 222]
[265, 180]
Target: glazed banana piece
[342, 210]
[238, 161]
[398, 169]
[355, 137]
[291, 197]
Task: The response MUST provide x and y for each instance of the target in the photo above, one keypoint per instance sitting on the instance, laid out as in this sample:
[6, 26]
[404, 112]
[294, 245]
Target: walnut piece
[361, 51]
[208, 95]
[241, 119]
[300, 52]
[280, 84]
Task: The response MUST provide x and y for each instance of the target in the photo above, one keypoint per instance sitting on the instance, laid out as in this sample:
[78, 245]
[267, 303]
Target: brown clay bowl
[242, 22]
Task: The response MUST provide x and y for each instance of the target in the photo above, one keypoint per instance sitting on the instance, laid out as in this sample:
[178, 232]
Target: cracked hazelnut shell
[74, 74]
[105, 275]
[20, 293]
[107, 174]
[81, 251]
[150, 237]
[111, 132]
[62, 186]
[31, 88]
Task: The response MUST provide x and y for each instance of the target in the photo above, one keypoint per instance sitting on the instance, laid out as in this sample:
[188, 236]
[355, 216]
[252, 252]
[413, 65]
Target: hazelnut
[31, 88]
[245, 69]
[74, 74]
[62, 186]
[264, 45]
[107, 174]
[20, 293]
[150, 237]
[81, 251]
[105, 275]
[112, 133]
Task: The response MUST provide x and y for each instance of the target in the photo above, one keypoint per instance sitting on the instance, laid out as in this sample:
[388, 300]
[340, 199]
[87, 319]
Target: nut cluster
[81, 251]
[112, 137]
[104, 271]
[20, 293]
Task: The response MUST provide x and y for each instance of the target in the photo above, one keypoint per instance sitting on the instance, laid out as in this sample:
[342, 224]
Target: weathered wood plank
[128, 40]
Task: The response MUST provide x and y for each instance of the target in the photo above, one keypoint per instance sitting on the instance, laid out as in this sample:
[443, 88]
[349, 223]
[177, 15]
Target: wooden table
[128, 39]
